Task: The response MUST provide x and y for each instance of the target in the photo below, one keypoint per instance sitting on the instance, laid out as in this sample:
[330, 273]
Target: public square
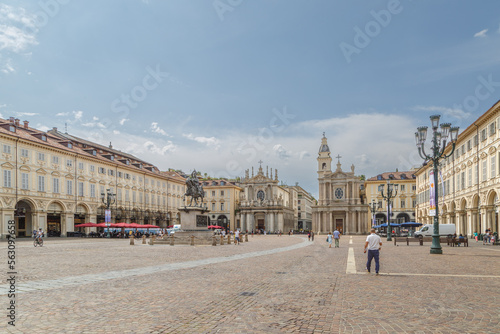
[270, 284]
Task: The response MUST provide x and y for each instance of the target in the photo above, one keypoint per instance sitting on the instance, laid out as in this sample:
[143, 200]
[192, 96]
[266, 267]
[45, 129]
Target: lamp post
[373, 207]
[439, 141]
[392, 191]
[108, 199]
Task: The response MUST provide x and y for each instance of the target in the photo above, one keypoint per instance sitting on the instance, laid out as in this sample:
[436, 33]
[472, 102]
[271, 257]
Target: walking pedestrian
[309, 235]
[329, 239]
[312, 236]
[373, 244]
[336, 236]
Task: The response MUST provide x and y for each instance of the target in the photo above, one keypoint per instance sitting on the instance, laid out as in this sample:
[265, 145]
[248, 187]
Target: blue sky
[219, 85]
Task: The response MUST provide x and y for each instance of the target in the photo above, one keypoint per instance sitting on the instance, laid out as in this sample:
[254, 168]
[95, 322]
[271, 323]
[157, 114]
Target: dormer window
[70, 145]
[391, 176]
[12, 128]
[379, 177]
[403, 176]
[44, 137]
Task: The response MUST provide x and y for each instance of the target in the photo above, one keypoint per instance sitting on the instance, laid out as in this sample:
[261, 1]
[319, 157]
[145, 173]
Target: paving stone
[268, 285]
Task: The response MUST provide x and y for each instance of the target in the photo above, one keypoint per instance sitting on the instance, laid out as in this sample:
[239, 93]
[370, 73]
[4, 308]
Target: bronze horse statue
[194, 190]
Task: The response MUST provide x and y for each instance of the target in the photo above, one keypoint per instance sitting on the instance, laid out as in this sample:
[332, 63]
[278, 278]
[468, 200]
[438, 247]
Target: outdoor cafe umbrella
[392, 224]
[410, 224]
[87, 225]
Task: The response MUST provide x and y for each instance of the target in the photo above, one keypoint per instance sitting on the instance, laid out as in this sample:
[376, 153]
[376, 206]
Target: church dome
[324, 148]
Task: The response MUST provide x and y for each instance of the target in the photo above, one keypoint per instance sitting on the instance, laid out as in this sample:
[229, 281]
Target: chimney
[54, 129]
[17, 121]
[26, 124]
[11, 119]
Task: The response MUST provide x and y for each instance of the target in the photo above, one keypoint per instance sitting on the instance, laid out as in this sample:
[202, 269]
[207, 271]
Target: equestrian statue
[194, 190]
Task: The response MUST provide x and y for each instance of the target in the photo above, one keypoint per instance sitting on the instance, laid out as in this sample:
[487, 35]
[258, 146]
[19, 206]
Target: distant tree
[362, 177]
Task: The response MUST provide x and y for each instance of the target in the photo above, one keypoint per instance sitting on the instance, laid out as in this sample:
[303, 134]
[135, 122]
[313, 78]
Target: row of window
[402, 204]
[41, 186]
[81, 166]
[489, 131]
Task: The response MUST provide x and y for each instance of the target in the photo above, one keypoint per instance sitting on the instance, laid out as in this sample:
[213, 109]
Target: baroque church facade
[266, 205]
[340, 204]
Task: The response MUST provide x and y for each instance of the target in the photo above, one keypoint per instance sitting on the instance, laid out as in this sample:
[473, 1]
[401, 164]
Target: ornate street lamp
[373, 208]
[439, 141]
[392, 192]
[108, 199]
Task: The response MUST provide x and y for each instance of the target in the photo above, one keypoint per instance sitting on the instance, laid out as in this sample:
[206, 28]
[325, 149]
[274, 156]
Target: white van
[172, 230]
[428, 230]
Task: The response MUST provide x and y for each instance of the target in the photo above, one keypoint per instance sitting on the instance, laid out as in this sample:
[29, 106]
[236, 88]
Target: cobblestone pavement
[268, 285]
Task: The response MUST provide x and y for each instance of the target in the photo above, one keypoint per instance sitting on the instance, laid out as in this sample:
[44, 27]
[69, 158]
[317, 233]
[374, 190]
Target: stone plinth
[194, 222]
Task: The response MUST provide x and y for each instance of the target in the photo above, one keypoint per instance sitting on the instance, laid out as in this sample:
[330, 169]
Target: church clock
[339, 193]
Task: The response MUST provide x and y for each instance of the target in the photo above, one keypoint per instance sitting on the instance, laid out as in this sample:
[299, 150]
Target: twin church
[339, 205]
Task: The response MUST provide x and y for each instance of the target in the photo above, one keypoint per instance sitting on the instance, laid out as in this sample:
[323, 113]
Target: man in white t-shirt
[373, 244]
[237, 236]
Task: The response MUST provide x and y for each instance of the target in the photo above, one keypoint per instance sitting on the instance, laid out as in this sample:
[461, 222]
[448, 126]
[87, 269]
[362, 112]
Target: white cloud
[17, 33]
[22, 114]
[281, 152]
[95, 118]
[94, 125]
[123, 120]
[116, 132]
[452, 112]
[162, 150]
[156, 129]
[78, 114]
[42, 127]
[6, 65]
[482, 33]
[62, 114]
[209, 141]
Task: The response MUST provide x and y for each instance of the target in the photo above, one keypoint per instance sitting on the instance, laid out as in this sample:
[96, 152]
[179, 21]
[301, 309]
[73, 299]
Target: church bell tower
[324, 158]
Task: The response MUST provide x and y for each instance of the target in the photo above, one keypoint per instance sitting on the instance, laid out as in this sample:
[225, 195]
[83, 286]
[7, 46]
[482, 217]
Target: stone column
[271, 221]
[280, 221]
[244, 226]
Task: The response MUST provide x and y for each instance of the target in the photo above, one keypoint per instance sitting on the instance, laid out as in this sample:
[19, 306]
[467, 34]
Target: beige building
[471, 178]
[302, 204]
[53, 180]
[403, 204]
[222, 198]
[340, 204]
[265, 205]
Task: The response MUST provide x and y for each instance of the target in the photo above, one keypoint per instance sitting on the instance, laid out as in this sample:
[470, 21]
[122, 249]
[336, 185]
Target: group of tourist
[489, 238]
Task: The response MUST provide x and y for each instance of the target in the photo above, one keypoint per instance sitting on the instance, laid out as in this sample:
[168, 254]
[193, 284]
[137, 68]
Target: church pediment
[339, 175]
[260, 179]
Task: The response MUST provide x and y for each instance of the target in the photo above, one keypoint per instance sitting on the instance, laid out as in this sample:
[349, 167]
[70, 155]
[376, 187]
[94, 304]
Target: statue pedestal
[194, 222]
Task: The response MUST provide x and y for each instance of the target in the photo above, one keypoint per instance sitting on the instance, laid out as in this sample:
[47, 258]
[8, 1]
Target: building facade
[264, 204]
[340, 204]
[222, 198]
[470, 179]
[303, 207]
[52, 180]
[404, 202]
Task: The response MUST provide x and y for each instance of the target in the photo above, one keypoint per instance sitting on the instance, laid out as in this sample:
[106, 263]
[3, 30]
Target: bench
[456, 241]
[442, 240]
